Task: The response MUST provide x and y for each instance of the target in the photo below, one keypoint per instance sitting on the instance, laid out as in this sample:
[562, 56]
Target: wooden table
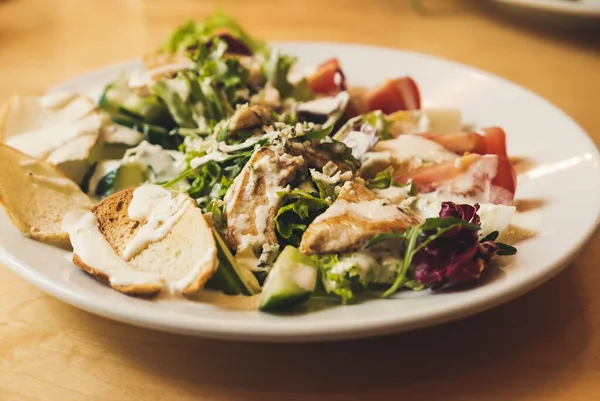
[544, 346]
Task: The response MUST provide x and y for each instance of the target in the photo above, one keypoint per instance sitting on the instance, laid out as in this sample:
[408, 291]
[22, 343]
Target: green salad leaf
[192, 34]
[276, 69]
[293, 218]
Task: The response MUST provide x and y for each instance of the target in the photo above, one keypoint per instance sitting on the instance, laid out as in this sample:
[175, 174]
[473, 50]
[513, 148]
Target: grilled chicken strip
[357, 215]
[252, 201]
[248, 117]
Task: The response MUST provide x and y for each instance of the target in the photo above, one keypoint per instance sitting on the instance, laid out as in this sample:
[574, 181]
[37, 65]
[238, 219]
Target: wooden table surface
[543, 346]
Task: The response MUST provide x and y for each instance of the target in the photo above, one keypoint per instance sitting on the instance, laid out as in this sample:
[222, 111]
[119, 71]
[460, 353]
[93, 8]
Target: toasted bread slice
[141, 290]
[36, 195]
[185, 258]
[62, 128]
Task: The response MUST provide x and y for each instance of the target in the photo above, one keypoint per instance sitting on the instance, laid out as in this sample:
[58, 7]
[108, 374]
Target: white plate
[589, 8]
[565, 180]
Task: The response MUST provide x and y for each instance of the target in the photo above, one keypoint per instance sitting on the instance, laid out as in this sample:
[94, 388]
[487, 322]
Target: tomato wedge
[459, 142]
[494, 141]
[438, 172]
[394, 95]
[506, 177]
[498, 168]
[328, 79]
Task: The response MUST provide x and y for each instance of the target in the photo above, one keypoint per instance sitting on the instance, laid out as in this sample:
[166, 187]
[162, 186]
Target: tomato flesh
[459, 142]
[394, 95]
[324, 81]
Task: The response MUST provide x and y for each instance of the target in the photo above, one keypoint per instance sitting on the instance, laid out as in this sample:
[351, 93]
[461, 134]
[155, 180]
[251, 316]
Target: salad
[312, 187]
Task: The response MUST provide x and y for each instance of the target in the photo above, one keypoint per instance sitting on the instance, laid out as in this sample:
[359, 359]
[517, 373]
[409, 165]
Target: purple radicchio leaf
[456, 256]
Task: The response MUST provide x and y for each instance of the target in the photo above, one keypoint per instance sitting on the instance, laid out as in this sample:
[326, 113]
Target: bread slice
[36, 195]
[62, 128]
[186, 257]
[141, 290]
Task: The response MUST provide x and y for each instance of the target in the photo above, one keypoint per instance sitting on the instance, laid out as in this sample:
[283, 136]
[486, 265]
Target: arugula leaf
[219, 222]
[299, 210]
[179, 110]
[380, 123]
[339, 152]
[302, 92]
[154, 134]
[505, 249]
[445, 223]
[490, 237]
[383, 180]
[325, 190]
[340, 286]
[316, 134]
[277, 69]
[379, 238]
[441, 225]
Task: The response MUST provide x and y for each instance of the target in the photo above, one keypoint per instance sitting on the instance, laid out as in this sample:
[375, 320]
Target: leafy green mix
[198, 109]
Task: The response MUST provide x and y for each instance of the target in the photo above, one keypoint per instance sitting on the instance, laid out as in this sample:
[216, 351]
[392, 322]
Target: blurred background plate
[589, 8]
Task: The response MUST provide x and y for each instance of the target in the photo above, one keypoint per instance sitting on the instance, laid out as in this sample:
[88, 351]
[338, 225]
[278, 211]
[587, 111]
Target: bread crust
[147, 290]
[118, 229]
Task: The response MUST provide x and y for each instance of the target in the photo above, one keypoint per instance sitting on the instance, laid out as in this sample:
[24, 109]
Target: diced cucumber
[291, 281]
[78, 170]
[123, 176]
[118, 98]
[230, 277]
[179, 109]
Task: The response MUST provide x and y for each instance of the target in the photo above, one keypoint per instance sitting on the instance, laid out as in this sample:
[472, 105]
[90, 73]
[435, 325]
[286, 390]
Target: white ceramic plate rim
[299, 330]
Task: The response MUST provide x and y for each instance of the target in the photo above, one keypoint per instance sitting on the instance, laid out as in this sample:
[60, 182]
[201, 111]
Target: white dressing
[116, 133]
[164, 164]
[157, 210]
[412, 147]
[374, 210]
[212, 156]
[94, 250]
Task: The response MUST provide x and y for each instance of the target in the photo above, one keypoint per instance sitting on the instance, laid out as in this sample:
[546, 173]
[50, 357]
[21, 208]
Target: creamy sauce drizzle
[374, 210]
[411, 147]
[115, 133]
[163, 163]
[213, 156]
[157, 210]
[93, 250]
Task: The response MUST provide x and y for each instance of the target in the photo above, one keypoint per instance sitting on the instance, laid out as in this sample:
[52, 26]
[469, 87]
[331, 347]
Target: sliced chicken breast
[356, 216]
[252, 201]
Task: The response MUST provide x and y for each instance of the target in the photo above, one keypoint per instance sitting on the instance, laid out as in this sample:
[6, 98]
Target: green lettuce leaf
[192, 34]
[276, 70]
[299, 210]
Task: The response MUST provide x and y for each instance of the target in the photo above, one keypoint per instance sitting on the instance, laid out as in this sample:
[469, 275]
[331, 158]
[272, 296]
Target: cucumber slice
[230, 277]
[117, 97]
[125, 176]
[291, 281]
